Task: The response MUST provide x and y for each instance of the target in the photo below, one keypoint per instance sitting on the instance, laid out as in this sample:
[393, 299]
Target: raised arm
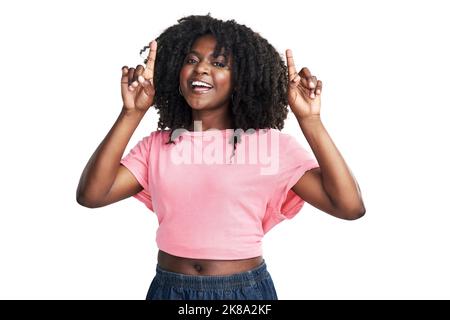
[104, 180]
[331, 188]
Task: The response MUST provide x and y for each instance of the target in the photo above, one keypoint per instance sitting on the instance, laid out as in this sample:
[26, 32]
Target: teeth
[201, 83]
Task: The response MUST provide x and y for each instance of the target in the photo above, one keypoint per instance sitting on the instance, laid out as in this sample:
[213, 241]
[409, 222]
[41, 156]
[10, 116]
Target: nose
[202, 67]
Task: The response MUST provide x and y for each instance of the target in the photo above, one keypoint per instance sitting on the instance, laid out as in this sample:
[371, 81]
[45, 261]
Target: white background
[385, 103]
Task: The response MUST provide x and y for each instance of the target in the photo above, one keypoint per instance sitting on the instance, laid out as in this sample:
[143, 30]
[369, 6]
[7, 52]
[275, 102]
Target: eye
[190, 60]
[219, 64]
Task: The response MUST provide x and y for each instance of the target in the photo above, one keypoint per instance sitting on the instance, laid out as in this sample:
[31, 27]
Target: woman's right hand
[137, 86]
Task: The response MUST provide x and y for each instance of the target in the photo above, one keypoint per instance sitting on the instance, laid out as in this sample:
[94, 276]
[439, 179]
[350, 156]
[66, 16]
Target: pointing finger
[150, 64]
[290, 64]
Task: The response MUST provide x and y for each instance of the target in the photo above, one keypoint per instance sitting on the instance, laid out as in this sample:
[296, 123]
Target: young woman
[214, 208]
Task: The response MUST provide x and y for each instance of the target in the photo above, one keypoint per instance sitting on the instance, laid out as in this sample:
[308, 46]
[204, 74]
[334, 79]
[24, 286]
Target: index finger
[290, 64]
[150, 65]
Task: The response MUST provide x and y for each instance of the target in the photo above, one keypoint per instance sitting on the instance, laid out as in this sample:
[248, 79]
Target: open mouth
[200, 86]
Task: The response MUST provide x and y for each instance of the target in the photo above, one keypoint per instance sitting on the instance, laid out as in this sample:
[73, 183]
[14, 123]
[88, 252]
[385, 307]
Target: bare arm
[332, 187]
[104, 180]
[102, 168]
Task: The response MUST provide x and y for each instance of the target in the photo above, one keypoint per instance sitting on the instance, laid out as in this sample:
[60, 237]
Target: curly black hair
[259, 74]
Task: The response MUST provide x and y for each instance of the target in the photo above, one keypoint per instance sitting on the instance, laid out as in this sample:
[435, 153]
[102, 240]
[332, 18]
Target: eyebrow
[199, 54]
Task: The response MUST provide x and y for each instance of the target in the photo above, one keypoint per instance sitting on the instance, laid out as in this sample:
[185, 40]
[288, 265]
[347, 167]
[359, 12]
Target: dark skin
[330, 188]
[211, 107]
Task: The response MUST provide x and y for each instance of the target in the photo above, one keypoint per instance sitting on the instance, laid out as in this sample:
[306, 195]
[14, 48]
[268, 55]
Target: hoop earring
[179, 90]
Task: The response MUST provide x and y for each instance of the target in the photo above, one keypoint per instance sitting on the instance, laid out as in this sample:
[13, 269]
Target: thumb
[295, 81]
[146, 85]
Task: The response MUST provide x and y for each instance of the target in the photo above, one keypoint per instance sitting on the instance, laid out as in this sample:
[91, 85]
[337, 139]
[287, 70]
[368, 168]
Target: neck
[205, 121]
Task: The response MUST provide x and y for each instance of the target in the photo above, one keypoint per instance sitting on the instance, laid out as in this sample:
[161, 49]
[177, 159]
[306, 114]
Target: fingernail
[312, 95]
[318, 91]
[311, 84]
[141, 79]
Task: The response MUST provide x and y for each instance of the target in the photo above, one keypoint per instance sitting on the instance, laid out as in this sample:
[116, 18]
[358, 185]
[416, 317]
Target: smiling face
[205, 81]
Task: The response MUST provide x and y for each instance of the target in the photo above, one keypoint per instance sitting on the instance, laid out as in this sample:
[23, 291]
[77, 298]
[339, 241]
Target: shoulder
[159, 134]
[284, 139]
[149, 139]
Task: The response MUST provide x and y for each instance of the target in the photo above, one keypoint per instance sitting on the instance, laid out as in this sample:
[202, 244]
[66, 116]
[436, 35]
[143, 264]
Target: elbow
[355, 213]
[352, 213]
[81, 198]
[84, 201]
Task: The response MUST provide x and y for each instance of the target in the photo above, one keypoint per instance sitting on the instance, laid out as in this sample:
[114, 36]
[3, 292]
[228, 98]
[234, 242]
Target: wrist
[309, 120]
[132, 113]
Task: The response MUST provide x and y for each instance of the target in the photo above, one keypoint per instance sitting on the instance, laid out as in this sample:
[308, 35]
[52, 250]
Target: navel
[198, 267]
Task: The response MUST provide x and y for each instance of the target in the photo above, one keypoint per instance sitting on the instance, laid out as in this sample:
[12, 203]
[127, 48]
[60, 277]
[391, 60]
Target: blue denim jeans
[255, 284]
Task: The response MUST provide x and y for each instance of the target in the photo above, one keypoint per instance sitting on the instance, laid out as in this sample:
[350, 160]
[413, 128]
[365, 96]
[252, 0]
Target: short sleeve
[137, 161]
[294, 161]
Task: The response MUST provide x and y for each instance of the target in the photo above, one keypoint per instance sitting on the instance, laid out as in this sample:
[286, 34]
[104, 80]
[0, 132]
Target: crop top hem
[216, 254]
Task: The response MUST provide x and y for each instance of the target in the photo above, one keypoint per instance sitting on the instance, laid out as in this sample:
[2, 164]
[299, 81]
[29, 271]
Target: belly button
[198, 267]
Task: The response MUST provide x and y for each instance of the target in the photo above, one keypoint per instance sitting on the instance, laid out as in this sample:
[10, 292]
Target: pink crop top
[212, 203]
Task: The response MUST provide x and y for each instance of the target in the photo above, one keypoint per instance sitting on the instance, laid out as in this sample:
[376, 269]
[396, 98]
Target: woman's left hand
[304, 90]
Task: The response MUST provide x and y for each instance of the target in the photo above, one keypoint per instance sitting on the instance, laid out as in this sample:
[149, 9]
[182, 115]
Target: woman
[213, 212]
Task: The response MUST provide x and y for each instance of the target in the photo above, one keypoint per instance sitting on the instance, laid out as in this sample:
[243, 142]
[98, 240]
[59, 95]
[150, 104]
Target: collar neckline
[209, 132]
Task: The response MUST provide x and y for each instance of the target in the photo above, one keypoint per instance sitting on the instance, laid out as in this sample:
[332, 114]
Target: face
[214, 89]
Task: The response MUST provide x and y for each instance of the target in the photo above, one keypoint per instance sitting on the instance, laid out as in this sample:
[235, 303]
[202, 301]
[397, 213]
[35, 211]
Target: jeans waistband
[197, 282]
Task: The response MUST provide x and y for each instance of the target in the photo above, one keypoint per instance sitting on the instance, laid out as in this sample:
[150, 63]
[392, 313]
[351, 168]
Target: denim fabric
[255, 284]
